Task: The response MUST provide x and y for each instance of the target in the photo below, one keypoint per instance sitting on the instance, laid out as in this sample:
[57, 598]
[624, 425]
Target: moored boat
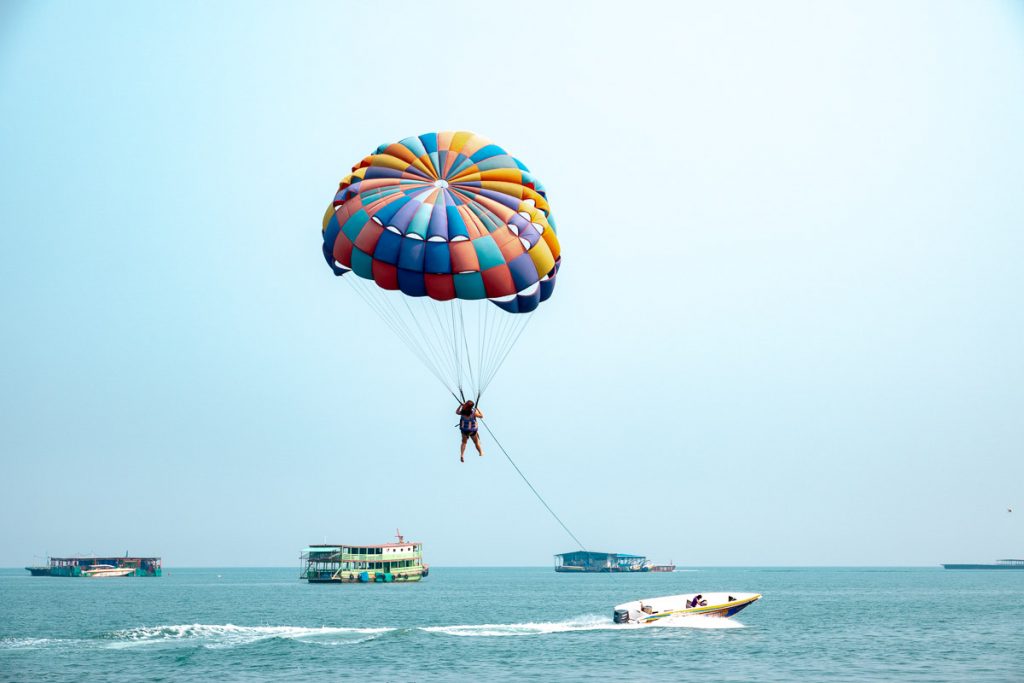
[99, 567]
[652, 610]
[999, 564]
[106, 571]
[590, 561]
[386, 563]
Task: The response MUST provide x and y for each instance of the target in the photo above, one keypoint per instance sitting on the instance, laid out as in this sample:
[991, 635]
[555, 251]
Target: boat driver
[468, 413]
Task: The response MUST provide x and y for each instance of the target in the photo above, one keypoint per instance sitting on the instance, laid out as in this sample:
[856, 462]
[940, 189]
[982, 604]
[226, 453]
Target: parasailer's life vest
[467, 423]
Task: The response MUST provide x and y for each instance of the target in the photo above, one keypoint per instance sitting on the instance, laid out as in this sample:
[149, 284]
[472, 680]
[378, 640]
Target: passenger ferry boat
[387, 563]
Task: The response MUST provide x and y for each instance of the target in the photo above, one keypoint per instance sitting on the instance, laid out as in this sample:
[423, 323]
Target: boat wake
[221, 636]
[228, 635]
[584, 623]
[27, 643]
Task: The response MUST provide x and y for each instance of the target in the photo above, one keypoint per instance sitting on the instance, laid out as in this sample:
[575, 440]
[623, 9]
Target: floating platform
[999, 564]
[588, 561]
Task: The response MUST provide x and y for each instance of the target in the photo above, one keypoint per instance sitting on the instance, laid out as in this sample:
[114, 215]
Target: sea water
[522, 624]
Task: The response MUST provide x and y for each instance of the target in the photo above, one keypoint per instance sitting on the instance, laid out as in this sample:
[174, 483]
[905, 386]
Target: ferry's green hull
[367, 576]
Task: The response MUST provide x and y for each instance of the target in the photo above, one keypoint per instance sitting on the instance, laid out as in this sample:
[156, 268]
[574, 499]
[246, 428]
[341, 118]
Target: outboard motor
[621, 616]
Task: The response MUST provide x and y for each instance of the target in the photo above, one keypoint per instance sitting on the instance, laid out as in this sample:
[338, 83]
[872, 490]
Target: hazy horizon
[297, 566]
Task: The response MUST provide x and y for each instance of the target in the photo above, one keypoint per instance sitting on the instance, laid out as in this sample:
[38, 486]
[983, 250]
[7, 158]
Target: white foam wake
[229, 635]
[584, 623]
[26, 643]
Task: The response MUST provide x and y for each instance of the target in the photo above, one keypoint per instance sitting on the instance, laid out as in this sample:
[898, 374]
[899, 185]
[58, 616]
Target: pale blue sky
[787, 331]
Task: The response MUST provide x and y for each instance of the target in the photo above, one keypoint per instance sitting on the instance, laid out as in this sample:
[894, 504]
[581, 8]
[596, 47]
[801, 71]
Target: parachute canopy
[447, 222]
[446, 215]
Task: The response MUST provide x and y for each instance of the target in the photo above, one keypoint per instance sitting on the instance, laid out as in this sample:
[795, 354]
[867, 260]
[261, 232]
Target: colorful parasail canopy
[435, 227]
[446, 215]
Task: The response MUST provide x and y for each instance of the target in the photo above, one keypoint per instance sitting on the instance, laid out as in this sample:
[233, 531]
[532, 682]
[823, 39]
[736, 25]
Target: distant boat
[651, 610]
[99, 567]
[588, 561]
[999, 564]
[106, 571]
[670, 567]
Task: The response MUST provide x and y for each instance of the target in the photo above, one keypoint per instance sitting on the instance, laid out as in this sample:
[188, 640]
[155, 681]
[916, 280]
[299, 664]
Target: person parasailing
[450, 240]
[468, 414]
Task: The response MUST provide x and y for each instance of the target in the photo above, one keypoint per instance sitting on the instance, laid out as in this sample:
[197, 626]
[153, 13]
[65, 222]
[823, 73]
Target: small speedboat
[651, 610]
[106, 571]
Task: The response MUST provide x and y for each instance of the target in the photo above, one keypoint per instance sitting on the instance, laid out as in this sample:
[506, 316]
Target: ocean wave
[697, 622]
[229, 635]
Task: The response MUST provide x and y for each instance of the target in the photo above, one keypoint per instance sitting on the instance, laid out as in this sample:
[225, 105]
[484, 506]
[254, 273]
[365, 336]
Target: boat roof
[595, 553]
[101, 557]
[334, 546]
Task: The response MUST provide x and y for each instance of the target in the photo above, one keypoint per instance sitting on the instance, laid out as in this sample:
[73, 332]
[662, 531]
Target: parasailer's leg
[476, 442]
[462, 451]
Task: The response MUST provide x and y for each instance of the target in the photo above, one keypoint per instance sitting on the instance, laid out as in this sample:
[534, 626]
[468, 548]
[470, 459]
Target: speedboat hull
[106, 572]
[652, 610]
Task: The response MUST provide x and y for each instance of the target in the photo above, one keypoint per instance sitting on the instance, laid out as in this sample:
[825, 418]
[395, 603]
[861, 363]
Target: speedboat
[651, 610]
[105, 571]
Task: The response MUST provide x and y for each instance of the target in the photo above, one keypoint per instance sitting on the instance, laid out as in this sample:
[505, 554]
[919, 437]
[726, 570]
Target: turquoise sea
[521, 624]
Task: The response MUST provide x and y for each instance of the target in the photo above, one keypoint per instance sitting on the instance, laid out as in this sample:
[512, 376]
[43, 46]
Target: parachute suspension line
[423, 343]
[455, 336]
[379, 303]
[495, 336]
[480, 326]
[527, 317]
[424, 350]
[427, 338]
[511, 328]
[511, 325]
[451, 342]
[437, 324]
[389, 320]
[473, 380]
[441, 335]
[539, 497]
[438, 334]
